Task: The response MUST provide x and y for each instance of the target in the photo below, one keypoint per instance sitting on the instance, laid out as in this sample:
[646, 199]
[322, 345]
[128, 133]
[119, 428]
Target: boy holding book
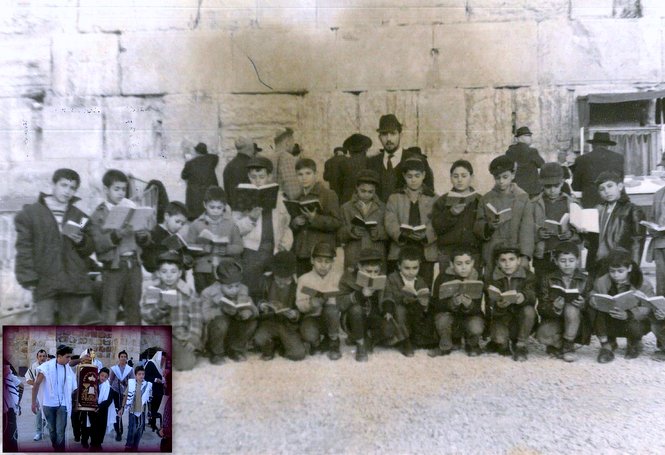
[628, 319]
[406, 296]
[315, 224]
[562, 301]
[51, 260]
[278, 326]
[229, 314]
[512, 293]
[408, 218]
[219, 235]
[360, 294]
[504, 215]
[175, 218]
[316, 300]
[119, 251]
[170, 301]
[457, 305]
[363, 220]
[551, 206]
[264, 229]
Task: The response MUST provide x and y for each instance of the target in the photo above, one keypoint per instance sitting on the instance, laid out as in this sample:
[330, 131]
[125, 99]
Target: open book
[223, 301]
[322, 294]
[411, 292]
[176, 242]
[653, 226]
[495, 294]
[585, 219]
[454, 198]
[373, 282]
[472, 288]
[249, 196]
[360, 222]
[276, 307]
[568, 294]
[499, 215]
[657, 302]
[208, 237]
[295, 208]
[558, 227]
[408, 229]
[127, 213]
[624, 301]
[73, 228]
[154, 294]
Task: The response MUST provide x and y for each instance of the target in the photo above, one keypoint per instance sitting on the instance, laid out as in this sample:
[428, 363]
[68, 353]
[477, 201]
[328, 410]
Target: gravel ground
[455, 404]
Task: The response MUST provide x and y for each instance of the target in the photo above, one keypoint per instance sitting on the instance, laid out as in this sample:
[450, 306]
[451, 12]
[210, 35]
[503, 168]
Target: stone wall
[95, 84]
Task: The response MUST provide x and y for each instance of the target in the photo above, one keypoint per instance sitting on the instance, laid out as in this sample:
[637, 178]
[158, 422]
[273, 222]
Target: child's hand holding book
[618, 313]
[462, 300]
[578, 302]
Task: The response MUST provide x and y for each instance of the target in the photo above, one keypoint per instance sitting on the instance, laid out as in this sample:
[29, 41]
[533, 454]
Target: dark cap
[504, 248]
[412, 164]
[229, 271]
[357, 143]
[501, 164]
[567, 248]
[607, 176]
[523, 131]
[367, 176]
[259, 162]
[201, 148]
[284, 264]
[323, 249]
[369, 255]
[170, 256]
[601, 138]
[388, 123]
[551, 174]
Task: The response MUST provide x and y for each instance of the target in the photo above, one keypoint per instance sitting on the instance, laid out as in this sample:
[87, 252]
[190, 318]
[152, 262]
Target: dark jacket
[528, 161]
[541, 245]
[332, 173]
[447, 305]
[546, 308]
[588, 167]
[199, 172]
[235, 172]
[349, 170]
[268, 281]
[455, 230]
[154, 249]
[521, 281]
[323, 228]
[623, 229]
[393, 294]
[353, 244]
[47, 259]
[389, 184]
[351, 294]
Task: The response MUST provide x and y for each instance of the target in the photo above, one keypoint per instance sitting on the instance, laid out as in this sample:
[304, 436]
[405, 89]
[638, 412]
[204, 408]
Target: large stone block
[489, 120]
[22, 72]
[515, 10]
[557, 106]
[288, 60]
[130, 15]
[581, 52]
[175, 62]
[486, 54]
[526, 105]
[72, 128]
[85, 64]
[243, 111]
[591, 8]
[282, 13]
[404, 104]
[188, 120]
[18, 137]
[133, 127]
[38, 17]
[389, 12]
[375, 58]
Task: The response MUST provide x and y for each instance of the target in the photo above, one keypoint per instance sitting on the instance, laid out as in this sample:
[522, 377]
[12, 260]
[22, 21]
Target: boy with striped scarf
[135, 402]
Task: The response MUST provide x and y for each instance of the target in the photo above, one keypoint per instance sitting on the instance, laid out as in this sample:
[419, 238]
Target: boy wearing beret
[182, 310]
[364, 207]
[229, 314]
[412, 206]
[278, 326]
[316, 300]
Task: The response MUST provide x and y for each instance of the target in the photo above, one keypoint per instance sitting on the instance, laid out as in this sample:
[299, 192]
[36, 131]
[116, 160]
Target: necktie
[390, 163]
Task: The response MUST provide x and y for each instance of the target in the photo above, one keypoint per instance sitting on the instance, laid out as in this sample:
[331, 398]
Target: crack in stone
[197, 19]
[256, 70]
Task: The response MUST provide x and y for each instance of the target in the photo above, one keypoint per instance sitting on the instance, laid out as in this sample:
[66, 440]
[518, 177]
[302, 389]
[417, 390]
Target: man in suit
[356, 145]
[590, 165]
[235, 172]
[332, 170]
[528, 161]
[385, 163]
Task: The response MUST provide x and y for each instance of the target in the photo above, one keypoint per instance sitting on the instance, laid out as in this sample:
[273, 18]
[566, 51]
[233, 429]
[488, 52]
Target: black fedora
[601, 138]
[388, 123]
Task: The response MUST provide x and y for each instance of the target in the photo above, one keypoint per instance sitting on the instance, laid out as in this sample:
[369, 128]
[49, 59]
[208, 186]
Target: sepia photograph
[371, 226]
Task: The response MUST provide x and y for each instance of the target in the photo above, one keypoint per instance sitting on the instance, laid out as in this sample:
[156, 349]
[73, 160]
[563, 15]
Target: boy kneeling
[512, 292]
[460, 314]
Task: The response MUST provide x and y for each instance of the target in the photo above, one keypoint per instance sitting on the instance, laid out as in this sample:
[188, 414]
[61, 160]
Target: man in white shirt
[56, 382]
[30, 377]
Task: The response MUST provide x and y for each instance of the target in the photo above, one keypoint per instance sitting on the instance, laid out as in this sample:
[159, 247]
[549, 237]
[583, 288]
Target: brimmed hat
[412, 164]
[369, 255]
[388, 123]
[244, 145]
[284, 264]
[323, 249]
[551, 174]
[357, 143]
[523, 131]
[228, 272]
[201, 148]
[259, 162]
[601, 138]
[367, 176]
[501, 164]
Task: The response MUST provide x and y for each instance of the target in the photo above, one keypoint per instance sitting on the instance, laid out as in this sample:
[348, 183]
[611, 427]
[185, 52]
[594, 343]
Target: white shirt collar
[397, 158]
